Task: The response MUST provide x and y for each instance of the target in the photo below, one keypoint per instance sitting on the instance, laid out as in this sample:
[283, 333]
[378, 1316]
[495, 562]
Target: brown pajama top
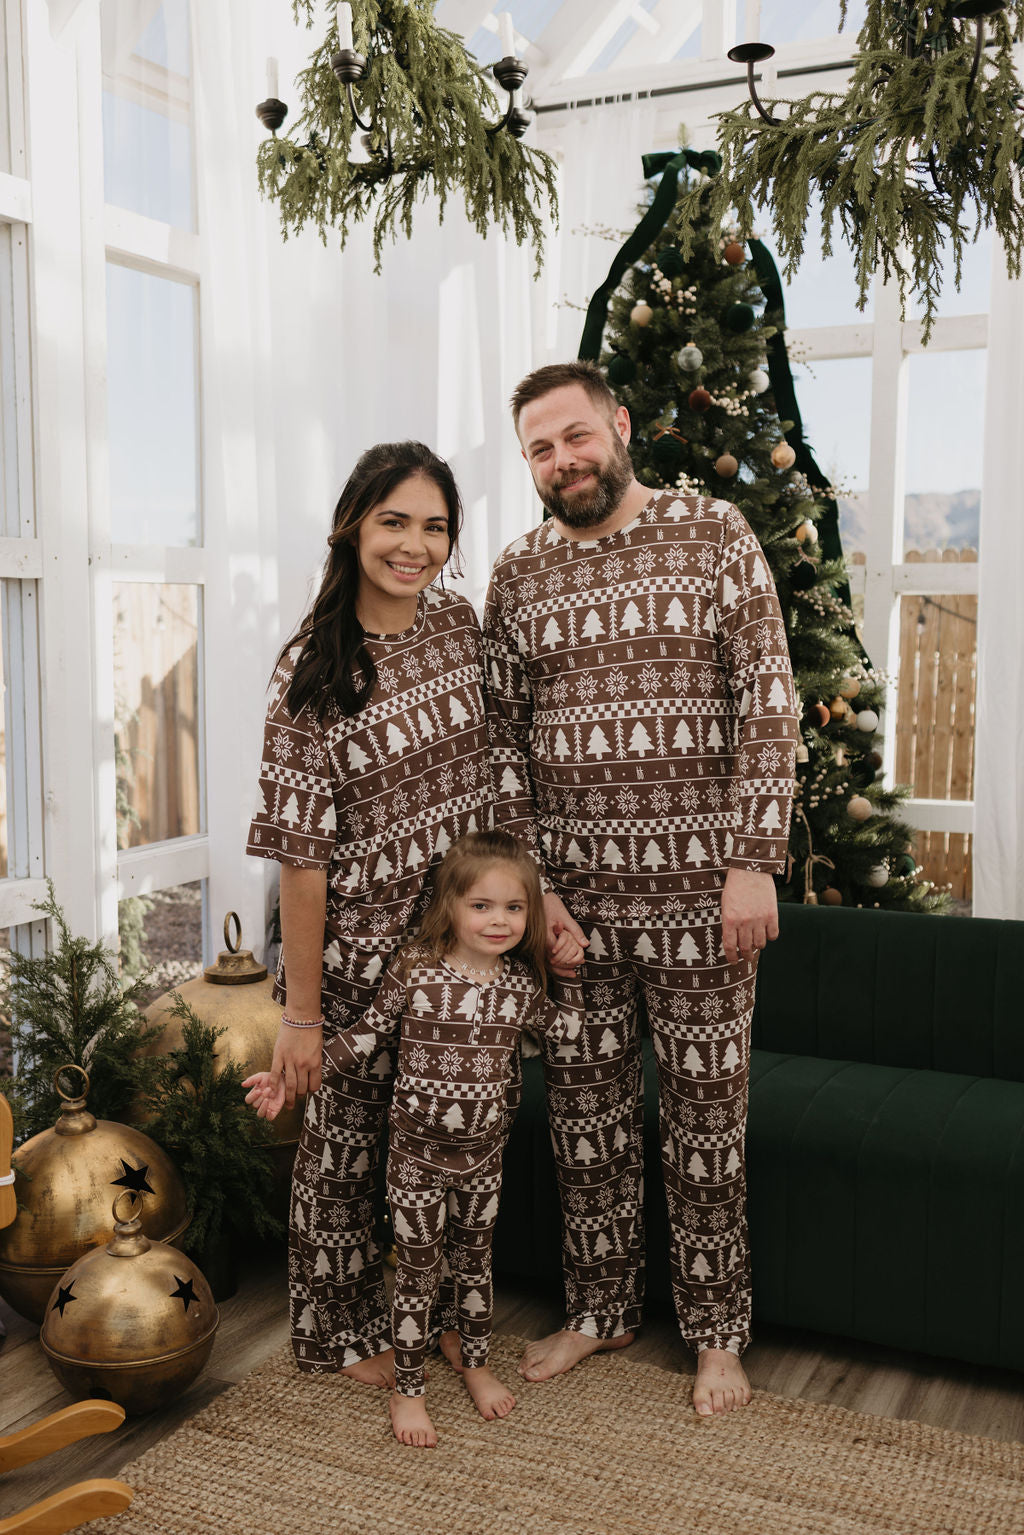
[642, 719]
[376, 800]
[450, 1114]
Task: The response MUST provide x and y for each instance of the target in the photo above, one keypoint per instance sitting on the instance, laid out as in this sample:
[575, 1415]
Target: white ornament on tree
[867, 720]
[759, 381]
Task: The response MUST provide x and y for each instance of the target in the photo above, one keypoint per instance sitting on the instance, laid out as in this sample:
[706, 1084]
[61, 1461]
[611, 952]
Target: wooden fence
[935, 713]
[156, 681]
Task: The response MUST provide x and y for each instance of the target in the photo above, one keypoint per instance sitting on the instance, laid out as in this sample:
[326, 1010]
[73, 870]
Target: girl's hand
[566, 952]
[266, 1093]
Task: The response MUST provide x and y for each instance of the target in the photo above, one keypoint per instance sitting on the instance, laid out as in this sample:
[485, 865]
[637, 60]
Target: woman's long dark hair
[335, 664]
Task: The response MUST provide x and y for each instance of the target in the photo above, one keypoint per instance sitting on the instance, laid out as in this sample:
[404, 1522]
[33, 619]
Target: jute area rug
[612, 1447]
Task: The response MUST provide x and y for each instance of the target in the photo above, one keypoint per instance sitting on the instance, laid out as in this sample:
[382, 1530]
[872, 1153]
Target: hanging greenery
[430, 104]
[922, 151]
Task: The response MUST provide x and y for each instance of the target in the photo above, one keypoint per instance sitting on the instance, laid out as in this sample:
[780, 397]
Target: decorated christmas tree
[693, 346]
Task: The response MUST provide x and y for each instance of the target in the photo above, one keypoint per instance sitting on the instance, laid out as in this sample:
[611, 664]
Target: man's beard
[589, 510]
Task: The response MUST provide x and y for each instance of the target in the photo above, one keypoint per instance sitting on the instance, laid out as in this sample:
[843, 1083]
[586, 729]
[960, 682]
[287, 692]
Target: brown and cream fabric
[455, 1092]
[643, 724]
[376, 800]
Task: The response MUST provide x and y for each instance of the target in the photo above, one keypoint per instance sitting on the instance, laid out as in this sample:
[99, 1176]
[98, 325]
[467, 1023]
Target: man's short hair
[556, 375]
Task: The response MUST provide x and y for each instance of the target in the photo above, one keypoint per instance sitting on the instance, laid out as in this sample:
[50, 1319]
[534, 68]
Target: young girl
[460, 994]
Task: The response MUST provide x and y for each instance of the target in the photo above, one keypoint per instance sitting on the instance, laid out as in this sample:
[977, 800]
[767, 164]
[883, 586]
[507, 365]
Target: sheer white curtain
[999, 728]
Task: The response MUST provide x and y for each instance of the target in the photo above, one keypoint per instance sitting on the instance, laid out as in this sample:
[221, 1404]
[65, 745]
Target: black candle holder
[751, 54]
[272, 113]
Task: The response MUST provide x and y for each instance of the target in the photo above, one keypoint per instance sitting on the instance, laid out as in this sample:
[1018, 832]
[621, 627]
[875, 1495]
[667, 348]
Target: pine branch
[910, 163]
[430, 105]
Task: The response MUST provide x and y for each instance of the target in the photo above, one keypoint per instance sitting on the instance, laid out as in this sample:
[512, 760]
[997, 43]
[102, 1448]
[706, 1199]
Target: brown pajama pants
[441, 1214]
[699, 1011]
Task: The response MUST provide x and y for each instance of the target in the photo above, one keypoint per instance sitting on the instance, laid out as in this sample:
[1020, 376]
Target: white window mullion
[885, 493]
[61, 455]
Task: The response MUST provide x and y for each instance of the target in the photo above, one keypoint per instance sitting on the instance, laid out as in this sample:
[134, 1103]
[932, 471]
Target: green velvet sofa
[885, 1145]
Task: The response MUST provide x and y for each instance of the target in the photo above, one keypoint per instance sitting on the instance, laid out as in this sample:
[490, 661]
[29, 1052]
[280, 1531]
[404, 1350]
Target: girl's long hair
[463, 864]
[335, 664]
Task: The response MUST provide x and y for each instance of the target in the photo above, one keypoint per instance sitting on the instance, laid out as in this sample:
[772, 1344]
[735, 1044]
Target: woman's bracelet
[303, 1023]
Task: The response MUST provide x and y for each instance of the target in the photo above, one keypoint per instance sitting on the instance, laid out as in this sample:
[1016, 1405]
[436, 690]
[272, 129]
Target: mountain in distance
[934, 520]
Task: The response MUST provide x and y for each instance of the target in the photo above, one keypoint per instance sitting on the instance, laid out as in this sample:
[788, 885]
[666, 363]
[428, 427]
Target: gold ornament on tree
[783, 456]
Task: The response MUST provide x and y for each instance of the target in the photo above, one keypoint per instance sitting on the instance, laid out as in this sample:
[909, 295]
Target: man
[643, 726]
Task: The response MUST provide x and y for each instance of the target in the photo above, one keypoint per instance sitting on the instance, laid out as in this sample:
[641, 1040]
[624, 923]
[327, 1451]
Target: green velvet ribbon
[668, 164]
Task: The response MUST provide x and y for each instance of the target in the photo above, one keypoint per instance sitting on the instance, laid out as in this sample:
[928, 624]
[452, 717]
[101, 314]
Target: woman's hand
[566, 940]
[297, 1063]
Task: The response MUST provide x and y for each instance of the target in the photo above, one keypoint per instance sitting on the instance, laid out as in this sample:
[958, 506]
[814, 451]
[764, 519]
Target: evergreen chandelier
[427, 104]
[921, 153]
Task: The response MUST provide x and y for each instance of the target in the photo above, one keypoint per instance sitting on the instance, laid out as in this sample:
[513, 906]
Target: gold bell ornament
[65, 1177]
[236, 995]
[133, 1321]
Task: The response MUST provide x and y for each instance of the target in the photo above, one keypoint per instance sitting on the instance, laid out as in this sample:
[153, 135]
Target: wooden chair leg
[68, 1509]
[59, 1429]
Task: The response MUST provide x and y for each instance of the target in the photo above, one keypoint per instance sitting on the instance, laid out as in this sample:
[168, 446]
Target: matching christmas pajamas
[643, 724]
[454, 1094]
[376, 800]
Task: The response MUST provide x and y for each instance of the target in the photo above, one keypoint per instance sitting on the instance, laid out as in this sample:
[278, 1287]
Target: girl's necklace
[470, 970]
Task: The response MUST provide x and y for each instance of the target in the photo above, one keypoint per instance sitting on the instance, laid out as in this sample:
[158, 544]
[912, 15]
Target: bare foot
[493, 1400]
[378, 1371]
[450, 1345]
[721, 1384]
[410, 1422]
[558, 1352]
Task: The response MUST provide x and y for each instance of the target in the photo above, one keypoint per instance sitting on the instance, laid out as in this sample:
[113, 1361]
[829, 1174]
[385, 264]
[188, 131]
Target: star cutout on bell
[134, 1178]
[183, 1292]
[64, 1298]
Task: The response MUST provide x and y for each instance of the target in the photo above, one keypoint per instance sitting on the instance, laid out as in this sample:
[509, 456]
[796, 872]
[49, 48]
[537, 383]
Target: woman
[374, 763]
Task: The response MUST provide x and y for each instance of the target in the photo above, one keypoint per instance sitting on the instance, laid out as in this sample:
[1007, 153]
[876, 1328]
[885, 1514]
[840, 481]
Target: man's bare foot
[721, 1384]
[410, 1422]
[378, 1371]
[559, 1351]
[450, 1345]
[493, 1400]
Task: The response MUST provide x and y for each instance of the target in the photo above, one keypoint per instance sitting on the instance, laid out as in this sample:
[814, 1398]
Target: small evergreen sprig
[69, 1007]
[430, 104]
[911, 162]
[198, 1115]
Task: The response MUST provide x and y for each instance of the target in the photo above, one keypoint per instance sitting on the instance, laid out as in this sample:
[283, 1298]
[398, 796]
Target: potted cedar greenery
[222, 1150]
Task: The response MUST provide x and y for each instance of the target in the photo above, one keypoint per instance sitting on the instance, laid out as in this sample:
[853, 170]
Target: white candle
[272, 79]
[753, 27]
[506, 35]
[344, 25]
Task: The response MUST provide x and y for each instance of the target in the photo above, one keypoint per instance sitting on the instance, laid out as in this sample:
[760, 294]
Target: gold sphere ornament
[859, 808]
[849, 687]
[838, 708]
[807, 533]
[783, 456]
[68, 1175]
[236, 995]
[641, 314]
[726, 466]
[133, 1321]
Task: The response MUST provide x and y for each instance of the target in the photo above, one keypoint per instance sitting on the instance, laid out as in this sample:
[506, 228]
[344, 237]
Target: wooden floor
[254, 1324]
